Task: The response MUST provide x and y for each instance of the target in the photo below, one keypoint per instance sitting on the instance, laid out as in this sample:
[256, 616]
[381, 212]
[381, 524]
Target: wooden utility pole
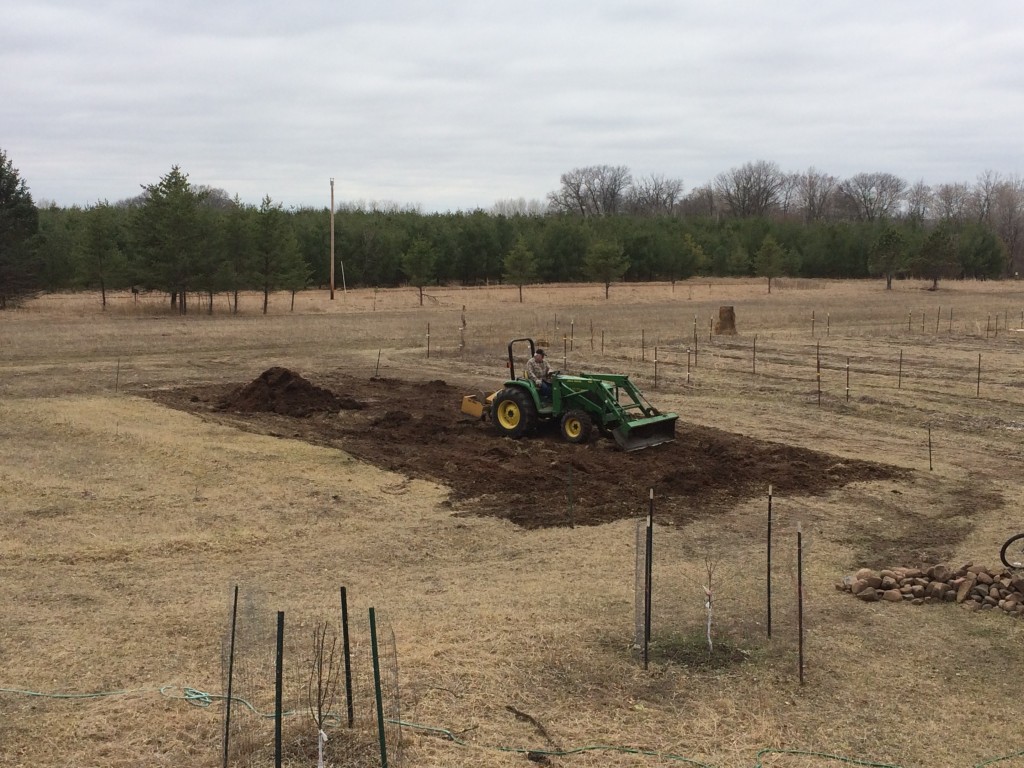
[332, 238]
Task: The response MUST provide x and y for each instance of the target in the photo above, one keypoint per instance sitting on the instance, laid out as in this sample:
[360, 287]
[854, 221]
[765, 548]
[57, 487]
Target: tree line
[600, 225]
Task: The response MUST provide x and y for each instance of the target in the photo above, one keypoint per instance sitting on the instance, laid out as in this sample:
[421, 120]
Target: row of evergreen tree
[185, 240]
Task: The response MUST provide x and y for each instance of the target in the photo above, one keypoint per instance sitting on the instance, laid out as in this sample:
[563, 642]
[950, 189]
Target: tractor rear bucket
[643, 433]
[478, 405]
[472, 406]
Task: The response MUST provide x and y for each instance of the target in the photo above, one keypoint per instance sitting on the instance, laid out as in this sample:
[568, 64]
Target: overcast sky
[456, 104]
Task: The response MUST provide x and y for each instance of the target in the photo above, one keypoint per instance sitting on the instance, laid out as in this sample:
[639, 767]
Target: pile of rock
[973, 587]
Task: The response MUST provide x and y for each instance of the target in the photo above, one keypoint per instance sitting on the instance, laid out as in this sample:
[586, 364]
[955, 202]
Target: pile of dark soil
[417, 429]
[279, 390]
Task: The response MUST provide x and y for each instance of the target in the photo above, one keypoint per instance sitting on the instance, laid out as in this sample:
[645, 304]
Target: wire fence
[299, 696]
[705, 601]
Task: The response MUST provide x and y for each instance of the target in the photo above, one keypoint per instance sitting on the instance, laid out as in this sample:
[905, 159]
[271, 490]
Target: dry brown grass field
[126, 523]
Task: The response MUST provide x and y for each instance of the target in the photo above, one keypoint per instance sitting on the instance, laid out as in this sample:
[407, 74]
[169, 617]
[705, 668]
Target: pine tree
[888, 254]
[419, 264]
[169, 232]
[768, 260]
[520, 266]
[605, 262]
[19, 229]
[102, 262]
[279, 263]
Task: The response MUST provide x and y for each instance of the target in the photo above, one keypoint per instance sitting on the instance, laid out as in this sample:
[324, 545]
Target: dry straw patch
[126, 524]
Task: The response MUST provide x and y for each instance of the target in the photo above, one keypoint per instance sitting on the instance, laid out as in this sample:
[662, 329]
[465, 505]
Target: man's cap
[539, 352]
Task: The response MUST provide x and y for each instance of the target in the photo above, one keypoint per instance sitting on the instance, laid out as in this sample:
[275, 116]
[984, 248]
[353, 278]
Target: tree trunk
[266, 298]
[606, 287]
[888, 281]
[421, 295]
[520, 294]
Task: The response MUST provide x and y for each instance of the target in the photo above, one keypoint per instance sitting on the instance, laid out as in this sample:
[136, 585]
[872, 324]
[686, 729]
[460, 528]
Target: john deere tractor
[605, 401]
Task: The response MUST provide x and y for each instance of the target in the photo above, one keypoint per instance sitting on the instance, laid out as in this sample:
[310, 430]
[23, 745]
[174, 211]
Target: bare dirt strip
[416, 428]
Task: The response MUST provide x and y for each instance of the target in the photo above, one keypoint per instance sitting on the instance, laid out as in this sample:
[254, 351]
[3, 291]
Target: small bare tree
[323, 679]
[709, 570]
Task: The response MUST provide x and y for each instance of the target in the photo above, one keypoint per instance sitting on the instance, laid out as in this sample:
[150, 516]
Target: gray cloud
[455, 104]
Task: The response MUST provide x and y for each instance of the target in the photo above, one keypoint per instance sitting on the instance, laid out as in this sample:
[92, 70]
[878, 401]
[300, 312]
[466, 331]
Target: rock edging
[972, 587]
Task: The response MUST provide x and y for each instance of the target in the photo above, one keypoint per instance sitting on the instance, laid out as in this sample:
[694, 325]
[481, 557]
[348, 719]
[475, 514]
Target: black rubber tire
[576, 426]
[1012, 552]
[513, 412]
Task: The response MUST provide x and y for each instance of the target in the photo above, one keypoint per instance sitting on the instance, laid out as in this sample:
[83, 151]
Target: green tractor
[606, 401]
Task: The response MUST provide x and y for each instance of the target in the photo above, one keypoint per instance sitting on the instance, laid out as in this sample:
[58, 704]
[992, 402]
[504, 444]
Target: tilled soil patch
[417, 429]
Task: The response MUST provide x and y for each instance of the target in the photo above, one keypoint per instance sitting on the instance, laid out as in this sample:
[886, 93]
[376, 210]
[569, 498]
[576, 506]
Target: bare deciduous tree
[750, 190]
[873, 196]
[817, 191]
[519, 206]
[597, 190]
[951, 201]
[699, 202]
[654, 195]
[1008, 218]
[214, 197]
[919, 201]
[323, 679]
[570, 196]
[983, 196]
[789, 195]
[710, 563]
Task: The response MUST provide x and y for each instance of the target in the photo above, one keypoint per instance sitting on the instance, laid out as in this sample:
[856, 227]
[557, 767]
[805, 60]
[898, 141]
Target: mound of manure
[279, 390]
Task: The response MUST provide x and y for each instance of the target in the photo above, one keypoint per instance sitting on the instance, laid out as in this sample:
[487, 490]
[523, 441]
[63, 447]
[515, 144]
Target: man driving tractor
[577, 403]
[539, 372]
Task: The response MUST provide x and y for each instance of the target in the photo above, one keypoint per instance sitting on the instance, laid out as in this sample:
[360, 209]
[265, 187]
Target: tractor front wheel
[514, 412]
[576, 426]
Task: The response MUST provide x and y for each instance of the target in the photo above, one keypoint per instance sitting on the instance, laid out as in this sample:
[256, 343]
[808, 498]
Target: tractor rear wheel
[514, 412]
[576, 426]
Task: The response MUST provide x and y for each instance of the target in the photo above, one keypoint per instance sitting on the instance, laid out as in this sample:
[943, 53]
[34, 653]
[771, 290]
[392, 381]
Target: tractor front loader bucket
[643, 433]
